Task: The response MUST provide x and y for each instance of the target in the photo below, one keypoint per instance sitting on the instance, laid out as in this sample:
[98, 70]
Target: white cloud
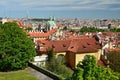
[110, 2]
[3, 3]
[59, 4]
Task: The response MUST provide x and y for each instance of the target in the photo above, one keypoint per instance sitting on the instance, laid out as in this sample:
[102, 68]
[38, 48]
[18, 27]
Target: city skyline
[87, 9]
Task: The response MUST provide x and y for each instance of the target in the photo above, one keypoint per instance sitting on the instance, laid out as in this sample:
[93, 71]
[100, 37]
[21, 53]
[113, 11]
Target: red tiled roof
[112, 49]
[41, 34]
[84, 45]
[8, 20]
[75, 45]
[37, 34]
[76, 37]
[22, 25]
[57, 45]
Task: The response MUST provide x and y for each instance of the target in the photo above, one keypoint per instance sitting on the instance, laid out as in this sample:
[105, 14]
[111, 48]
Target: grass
[16, 75]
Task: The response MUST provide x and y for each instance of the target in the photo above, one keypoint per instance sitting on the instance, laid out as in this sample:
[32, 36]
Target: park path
[37, 74]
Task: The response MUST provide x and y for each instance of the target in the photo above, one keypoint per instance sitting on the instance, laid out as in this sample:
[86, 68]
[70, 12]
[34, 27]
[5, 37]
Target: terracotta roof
[108, 33]
[112, 49]
[10, 20]
[75, 45]
[77, 37]
[41, 34]
[84, 45]
[57, 45]
[22, 25]
[37, 34]
[111, 34]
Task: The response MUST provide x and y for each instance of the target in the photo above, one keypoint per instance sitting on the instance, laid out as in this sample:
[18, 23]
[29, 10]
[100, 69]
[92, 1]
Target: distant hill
[39, 19]
[0, 18]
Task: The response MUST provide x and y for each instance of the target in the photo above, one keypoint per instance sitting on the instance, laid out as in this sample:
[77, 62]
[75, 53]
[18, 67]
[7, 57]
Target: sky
[83, 9]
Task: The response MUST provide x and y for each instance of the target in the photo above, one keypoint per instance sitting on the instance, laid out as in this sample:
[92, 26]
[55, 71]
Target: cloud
[61, 4]
[110, 2]
[3, 3]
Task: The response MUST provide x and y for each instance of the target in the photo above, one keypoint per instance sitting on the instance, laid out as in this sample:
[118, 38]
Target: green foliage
[16, 49]
[115, 30]
[59, 68]
[114, 59]
[29, 29]
[50, 54]
[88, 70]
[90, 29]
[72, 30]
[65, 28]
[56, 65]
[109, 26]
[78, 74]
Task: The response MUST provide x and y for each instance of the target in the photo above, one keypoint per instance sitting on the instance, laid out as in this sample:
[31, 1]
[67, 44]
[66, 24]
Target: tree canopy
[115, 30]
[88, 70]
[91, 29]
[16, 49]
[114, 59]
[56, 65]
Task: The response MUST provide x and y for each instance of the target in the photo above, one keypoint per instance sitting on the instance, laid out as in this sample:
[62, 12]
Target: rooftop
[74, 45]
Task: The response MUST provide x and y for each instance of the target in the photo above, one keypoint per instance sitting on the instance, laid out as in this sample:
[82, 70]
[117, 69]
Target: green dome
[51, 23]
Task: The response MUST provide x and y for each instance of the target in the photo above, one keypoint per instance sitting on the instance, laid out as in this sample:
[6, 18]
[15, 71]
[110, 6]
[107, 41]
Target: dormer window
[96, 43]
[88, 43]
[72, 47]
[43, 43]
[84, 47]
[64, 45]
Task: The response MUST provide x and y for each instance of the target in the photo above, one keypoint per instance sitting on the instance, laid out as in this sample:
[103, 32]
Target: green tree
[90, 29]
[78, 74]
[65, 28]
[88, 70]
[114, 59]
[109, 26]
[89, 66]
[16, 49]
[56, 65]
[50, 54]
[29, 29]
[115, 30]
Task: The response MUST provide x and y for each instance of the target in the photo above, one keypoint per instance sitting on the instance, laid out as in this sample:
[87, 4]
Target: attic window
[64, 45]
[43, 43]
[88, 44]
[72, 47]
[84, 47]
[96, 43]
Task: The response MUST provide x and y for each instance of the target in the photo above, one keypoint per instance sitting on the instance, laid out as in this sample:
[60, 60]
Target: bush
[57, 67]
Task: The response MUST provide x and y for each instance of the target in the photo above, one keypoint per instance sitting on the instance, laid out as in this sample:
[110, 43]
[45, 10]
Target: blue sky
[84, 9]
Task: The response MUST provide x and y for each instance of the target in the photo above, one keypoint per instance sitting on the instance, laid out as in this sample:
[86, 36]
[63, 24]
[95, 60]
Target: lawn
[16, 75]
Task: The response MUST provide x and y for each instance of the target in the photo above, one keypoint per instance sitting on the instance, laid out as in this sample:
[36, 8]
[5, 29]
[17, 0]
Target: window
[72, 47]
[88, 43]
[64, 45]
[84, 47]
